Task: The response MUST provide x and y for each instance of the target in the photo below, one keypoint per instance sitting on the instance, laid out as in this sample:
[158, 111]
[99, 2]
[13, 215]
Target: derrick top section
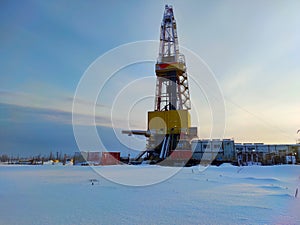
[172, 90]
[169, 49]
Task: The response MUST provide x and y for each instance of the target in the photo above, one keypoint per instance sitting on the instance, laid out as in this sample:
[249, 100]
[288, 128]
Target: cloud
[55, 110]
[35, 100]
[30, 131]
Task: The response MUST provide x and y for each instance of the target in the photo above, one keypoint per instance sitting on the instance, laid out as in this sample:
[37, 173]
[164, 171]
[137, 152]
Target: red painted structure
[110, 158]
[181, 155]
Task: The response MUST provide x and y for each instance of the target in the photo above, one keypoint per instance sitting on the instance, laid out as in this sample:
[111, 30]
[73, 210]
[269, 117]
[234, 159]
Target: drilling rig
[169, 128]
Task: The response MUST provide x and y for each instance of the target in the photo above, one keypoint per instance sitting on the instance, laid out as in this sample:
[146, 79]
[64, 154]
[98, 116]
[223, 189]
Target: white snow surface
[215, 195]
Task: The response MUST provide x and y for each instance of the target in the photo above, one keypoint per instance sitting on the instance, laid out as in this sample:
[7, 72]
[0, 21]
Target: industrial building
[226, 150]
[267, 154]
[216, 150]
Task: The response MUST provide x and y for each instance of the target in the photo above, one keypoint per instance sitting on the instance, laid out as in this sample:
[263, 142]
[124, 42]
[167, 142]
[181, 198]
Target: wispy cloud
[27, 131]
[22, 110]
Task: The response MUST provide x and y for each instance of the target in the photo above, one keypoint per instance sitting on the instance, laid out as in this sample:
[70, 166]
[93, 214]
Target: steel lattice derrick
[172, 90]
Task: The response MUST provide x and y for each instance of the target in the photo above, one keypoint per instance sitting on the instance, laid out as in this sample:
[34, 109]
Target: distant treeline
[58, 156]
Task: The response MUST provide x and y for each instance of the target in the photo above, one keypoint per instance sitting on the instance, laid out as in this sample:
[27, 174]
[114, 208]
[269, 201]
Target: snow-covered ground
[216, 195]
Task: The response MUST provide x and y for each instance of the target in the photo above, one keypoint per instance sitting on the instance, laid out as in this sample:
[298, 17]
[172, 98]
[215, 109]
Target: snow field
[197, 195]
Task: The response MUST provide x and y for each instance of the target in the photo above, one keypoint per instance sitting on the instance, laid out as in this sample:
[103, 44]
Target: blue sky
[253, 48]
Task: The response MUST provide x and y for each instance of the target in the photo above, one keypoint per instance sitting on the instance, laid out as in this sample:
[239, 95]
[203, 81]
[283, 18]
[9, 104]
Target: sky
[252, 48]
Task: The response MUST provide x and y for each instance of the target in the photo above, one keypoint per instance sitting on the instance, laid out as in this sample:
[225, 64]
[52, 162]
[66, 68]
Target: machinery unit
[169, 123]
